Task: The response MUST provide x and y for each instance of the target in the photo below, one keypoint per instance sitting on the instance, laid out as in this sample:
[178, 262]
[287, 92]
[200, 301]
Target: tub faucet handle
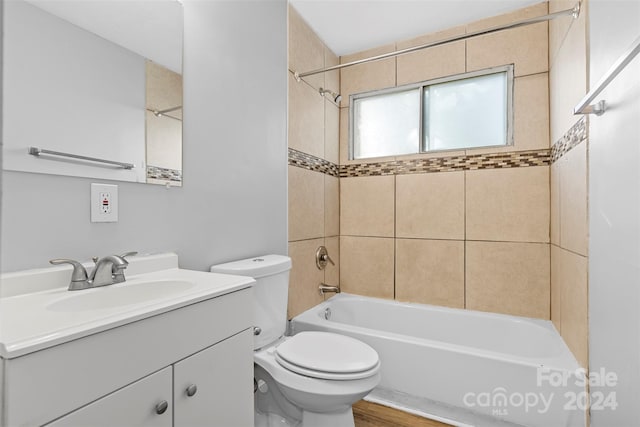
[322, 257]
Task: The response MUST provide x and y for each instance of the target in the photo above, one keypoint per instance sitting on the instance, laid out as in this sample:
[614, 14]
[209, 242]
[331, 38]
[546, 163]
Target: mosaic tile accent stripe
[569, 140]
[312, 163]
[164, 174]
[515, 159]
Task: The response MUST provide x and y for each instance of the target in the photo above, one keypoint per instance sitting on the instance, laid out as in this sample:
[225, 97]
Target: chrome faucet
[118, 271]
[104, 271]
[324, 288]
[107, 271]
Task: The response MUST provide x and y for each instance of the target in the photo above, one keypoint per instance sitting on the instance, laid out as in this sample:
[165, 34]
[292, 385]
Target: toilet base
[332, 419]
[274, 420]
[309, 419]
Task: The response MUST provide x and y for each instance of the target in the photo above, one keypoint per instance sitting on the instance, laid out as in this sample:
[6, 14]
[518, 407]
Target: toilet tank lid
[256, 267]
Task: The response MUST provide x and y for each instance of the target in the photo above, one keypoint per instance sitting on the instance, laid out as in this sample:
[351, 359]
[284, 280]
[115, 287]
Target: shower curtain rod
[575, 12]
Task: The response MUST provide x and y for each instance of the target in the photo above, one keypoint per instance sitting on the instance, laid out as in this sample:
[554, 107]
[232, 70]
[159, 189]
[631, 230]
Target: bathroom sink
[37, 310]
[125, 294]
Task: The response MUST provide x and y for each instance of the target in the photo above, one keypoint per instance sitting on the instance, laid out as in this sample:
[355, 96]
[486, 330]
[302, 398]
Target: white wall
[1, 117]
[614, 213]
[233, 203]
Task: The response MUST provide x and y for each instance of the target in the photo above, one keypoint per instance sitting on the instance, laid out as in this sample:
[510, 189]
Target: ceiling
[349, 26]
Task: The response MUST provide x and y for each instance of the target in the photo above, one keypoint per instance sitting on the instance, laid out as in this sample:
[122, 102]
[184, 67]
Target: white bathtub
[467, 366]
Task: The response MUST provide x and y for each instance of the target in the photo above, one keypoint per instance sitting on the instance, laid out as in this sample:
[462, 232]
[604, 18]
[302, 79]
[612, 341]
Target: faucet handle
[126, 254]
[322, 258]
[79, 273]
[117, 271]
[326, 257]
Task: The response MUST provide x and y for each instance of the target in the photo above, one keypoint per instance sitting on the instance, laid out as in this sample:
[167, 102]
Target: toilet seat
[327, 356]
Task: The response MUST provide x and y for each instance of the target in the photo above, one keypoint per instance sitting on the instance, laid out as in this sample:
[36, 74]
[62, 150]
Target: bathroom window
[464, 111]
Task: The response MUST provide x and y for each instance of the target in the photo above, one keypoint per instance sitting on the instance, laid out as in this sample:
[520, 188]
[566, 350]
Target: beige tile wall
[569, 301]
[431, 206]
[370, 262]
[306, 204]
[511, 278]
[314, 197]
[568, 66]
[369, 76]
[476, 239]
[430, 271]
[305, 276]
[510, 205]
[569, 181]
[367, 206]
[428, 64]
[525, 47]
[573, 226]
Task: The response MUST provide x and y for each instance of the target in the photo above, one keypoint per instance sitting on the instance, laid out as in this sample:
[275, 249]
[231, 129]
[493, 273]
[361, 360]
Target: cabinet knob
[191, 390]
[161, 407]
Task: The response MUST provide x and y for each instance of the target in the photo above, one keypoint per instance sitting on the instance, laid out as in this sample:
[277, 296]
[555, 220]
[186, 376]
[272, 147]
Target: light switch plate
[104, 203]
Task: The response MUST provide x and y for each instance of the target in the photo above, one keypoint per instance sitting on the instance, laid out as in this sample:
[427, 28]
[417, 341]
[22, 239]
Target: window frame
[420, 86]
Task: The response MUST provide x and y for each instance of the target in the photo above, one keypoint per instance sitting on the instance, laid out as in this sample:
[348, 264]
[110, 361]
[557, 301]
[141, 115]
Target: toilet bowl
[308, 372]
[310, 379]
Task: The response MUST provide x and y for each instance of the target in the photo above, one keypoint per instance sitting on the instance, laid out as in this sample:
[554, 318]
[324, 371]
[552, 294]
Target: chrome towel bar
[585, 106]
[35, 151]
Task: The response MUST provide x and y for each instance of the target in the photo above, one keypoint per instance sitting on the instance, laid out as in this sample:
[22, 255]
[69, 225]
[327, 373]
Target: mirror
[87, 81]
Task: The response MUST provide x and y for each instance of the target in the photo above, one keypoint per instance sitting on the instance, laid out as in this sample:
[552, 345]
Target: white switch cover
[104, 203]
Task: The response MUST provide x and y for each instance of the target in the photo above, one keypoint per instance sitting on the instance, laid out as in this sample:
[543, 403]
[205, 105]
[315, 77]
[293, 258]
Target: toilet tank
[270, 293]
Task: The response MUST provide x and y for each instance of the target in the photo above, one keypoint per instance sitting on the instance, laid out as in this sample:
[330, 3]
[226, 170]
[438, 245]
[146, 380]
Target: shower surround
[464, 229]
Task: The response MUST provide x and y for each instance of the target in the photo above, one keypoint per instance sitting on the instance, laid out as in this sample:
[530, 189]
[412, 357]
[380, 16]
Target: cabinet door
[138, 404]
[215, 386]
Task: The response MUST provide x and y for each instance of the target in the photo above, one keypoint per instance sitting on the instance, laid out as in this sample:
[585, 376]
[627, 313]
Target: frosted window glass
[466, 113]
[386, 125]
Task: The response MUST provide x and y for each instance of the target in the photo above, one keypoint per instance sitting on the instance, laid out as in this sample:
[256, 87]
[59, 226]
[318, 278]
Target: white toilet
[310, 379]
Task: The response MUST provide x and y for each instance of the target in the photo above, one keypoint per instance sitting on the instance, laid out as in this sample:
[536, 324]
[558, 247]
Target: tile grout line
[466, 66]
[570, 251]
[464, 258]
[395, 235]
[448, 240]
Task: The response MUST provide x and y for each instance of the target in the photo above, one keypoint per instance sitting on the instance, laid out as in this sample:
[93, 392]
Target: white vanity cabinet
[147, 402]
[210, 387]
[119, 376]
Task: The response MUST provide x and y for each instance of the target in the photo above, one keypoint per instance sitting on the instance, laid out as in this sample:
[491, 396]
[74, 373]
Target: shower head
[336, 97]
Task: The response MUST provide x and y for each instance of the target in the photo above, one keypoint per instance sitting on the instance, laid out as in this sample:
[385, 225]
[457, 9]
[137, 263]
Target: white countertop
[28, 324]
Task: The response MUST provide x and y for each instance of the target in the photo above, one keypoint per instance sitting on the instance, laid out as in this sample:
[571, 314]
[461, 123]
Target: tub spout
[324, 288]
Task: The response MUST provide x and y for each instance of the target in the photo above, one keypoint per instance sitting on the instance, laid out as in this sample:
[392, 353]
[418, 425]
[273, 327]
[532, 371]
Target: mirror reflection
[97, 80]
[163, 120]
